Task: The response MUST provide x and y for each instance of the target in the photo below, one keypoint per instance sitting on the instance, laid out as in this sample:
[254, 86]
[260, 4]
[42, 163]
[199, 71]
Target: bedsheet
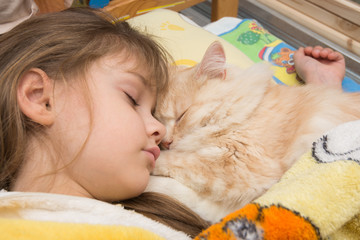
[260, 45]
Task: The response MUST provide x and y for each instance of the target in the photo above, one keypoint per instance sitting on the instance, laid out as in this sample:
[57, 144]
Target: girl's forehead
[126, 63]
[118, 60]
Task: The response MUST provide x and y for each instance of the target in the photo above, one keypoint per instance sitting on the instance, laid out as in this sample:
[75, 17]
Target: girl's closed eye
[132, 99]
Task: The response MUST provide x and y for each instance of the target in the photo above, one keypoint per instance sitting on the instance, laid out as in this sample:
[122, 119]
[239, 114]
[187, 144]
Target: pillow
[187, 43]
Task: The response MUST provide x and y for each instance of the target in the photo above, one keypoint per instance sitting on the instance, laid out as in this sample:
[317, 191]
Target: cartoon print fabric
[260, 45]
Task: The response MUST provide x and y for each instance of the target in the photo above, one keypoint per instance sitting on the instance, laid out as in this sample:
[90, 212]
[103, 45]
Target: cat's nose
[166, 144]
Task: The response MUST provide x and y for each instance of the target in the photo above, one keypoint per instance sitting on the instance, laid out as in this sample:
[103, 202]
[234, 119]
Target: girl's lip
[155, 151]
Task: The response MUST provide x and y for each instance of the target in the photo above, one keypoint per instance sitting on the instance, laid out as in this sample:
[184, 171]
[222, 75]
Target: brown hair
[64, 44]
[168, 211]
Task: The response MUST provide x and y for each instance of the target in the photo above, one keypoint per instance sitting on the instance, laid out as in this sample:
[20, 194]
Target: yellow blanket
[35, 230]
[318, 198]
[35, 216]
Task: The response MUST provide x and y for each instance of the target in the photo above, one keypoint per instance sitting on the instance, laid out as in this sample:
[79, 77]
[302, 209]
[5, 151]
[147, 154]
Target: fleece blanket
[318, 198]
[35, 216]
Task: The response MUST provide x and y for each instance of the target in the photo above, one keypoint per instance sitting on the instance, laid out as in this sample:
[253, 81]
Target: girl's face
[121, 150]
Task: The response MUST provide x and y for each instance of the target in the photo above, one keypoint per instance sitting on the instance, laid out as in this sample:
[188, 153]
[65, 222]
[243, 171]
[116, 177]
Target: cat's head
[176, 108]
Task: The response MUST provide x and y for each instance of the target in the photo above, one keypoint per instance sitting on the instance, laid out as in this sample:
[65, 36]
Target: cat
[232, 133]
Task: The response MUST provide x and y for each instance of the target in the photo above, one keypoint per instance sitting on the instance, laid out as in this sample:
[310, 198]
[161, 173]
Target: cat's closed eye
[181, 116]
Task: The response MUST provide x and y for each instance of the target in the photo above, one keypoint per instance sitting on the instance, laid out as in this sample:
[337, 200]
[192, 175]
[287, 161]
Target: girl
[78, 90]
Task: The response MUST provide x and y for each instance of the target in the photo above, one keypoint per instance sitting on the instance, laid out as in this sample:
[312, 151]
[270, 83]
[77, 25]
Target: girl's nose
[157, 131]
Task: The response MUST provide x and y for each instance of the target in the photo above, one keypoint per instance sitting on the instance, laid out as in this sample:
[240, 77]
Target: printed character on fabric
[260, 45]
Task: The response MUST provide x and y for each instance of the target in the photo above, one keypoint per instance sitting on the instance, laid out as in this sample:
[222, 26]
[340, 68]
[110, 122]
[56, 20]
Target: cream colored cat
[232, 133]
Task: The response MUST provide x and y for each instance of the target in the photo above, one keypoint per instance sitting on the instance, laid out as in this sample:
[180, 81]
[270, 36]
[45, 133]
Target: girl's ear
[35, 96]
[213, 63]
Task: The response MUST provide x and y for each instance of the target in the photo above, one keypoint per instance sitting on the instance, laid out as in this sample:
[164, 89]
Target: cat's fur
[234, 132]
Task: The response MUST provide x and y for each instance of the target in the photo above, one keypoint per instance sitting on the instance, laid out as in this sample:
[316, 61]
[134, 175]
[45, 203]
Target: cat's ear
[213, 63]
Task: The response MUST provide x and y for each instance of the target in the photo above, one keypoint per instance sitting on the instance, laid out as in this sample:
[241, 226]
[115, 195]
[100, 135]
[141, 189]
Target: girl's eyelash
[132, 99]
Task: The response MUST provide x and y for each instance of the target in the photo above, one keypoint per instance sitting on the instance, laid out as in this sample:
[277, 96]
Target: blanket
[46, 216]
[318, 198]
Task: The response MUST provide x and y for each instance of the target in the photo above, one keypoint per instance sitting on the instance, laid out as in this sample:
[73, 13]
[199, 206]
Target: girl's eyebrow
[141, 77]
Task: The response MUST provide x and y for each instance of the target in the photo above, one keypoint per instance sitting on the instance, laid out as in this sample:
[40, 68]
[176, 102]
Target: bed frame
[125, 9]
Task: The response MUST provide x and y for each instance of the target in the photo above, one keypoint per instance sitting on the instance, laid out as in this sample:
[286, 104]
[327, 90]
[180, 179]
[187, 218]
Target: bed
[120, 8]
[125, 9]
